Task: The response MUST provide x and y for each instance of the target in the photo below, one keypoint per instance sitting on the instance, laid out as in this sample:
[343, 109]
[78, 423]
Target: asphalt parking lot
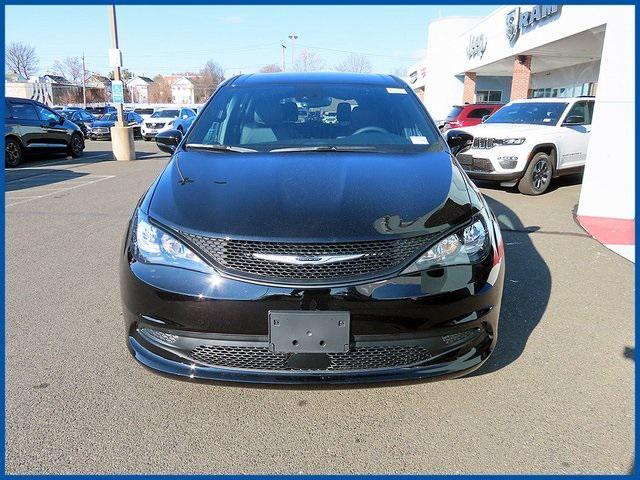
[556, 396]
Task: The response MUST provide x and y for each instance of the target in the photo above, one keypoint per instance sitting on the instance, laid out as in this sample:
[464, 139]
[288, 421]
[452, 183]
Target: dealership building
[527, 51]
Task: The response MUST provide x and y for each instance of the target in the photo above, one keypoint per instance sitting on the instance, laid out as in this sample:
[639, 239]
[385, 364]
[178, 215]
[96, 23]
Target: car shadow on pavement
[527, 288]
[37, 177]
[556, 183]
[89, 156]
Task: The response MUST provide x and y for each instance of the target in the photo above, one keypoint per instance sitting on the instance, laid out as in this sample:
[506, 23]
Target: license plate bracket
[309, 331]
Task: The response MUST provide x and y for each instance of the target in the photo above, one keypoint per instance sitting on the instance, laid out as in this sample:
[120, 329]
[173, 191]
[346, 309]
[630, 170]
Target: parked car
[144, 112]
[273, 250]
[82, 118]
[469, 115]
[527, 143]
[162, 120]
[101, 129]
[31, 126]
[100, 111]
[184, 121]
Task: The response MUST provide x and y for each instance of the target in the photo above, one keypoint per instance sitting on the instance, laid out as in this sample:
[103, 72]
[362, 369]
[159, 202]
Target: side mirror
[168, 140]
[574, 120]
[484, 118]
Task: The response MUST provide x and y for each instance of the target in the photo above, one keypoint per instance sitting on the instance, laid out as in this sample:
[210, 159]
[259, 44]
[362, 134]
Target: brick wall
[521, 77]
[469, 92]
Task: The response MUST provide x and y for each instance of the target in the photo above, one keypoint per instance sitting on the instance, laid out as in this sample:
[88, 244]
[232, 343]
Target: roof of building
[57, 78]
[146, 80]
[317, 77]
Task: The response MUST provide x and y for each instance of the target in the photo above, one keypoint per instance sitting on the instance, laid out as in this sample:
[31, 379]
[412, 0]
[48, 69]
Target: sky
[176, 39]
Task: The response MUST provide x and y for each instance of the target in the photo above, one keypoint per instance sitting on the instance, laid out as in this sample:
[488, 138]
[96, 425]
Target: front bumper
[98, 135]
[427, 325]
[484, 164]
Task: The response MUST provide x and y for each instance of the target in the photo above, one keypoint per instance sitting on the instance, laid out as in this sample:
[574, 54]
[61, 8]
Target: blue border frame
[307, 2]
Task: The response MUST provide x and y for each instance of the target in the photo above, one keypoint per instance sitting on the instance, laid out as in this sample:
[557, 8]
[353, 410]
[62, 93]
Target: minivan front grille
[373, 258]
[359, 358]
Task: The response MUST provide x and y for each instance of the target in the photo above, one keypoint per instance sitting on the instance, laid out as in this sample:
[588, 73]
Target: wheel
[76, 146]
[180, 129]
[13, 154]
[146, 139]
[537, 177]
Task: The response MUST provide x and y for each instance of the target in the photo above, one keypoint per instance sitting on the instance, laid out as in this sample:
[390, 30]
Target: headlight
[466, 246]
[170, 123]
[508, 141]
[152, 245]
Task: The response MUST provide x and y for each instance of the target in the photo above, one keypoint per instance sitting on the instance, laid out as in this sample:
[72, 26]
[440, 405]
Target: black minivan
[279, 247]
[32, 127]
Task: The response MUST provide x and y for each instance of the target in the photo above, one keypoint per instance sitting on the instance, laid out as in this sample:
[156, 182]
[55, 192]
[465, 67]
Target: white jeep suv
[526, 142]
[159, 121]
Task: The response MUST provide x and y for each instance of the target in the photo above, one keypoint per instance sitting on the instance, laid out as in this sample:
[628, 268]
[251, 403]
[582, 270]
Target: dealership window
[484, 96]
[581, 89]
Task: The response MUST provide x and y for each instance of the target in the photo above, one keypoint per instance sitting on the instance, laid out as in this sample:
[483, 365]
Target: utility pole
[84, 86]
[116, 69]
[284, 47]
[121, 135]
[293, 37]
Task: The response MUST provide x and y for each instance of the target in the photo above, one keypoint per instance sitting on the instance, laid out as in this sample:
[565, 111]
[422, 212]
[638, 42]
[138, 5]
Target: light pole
[293, 37]
[84, 82]
[284, 47]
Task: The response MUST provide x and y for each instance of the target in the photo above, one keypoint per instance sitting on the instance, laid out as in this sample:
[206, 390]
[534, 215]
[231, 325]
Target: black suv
[31, 126]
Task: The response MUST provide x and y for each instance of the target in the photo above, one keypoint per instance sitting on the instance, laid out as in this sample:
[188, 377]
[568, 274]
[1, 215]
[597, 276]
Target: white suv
[159, 121]
[526, 142]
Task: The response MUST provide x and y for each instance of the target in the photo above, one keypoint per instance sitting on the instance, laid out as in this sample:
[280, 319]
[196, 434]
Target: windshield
[306, 116]
[453, 114]
[109, 117]
[166, 114]
[535, 113]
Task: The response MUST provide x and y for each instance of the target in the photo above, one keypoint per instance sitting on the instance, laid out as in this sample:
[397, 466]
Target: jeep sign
[477, 46]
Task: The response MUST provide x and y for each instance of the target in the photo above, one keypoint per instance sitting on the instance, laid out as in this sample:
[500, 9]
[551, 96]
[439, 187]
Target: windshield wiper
[219, 148]
[327, 148]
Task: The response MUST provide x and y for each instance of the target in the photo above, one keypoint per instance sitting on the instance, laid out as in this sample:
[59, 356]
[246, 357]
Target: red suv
[469, 114]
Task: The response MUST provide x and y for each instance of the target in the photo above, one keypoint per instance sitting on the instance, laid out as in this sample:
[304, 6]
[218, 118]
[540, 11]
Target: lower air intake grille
[261, 358]
[376, 258]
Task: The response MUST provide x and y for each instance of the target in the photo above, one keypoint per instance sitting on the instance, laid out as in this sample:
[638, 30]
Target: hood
[328, 196]
[159, 119]
[103, 123]
[502, 129]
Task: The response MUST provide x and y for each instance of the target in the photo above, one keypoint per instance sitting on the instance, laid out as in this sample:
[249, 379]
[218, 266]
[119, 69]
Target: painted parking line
[13, 200]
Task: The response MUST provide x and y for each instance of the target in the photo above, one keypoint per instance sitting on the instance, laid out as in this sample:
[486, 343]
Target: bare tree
[159, 90]
[308, 61]
[207, 81]
[71, 69]
[21, 59]
[271, 68]
[355, 63]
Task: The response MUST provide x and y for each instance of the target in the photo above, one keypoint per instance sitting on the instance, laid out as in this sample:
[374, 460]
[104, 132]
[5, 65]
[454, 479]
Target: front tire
[76, 146]
[13, 153]
[537, 177]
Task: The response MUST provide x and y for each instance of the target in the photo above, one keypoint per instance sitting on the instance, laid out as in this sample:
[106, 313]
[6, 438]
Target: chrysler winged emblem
[512, 27]
[305, 259]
